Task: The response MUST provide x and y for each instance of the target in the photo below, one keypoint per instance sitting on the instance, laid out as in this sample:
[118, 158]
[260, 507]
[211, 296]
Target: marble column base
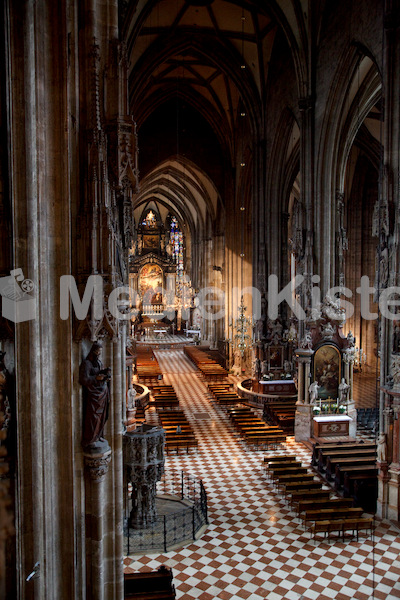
[352, 412]
[393, 509]
[303, 422]
[383, 490]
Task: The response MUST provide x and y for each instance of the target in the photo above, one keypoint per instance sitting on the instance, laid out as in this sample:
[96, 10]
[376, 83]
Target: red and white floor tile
[254, 546]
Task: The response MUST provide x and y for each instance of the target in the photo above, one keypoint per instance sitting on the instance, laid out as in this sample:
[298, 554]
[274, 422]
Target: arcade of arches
[172, 147]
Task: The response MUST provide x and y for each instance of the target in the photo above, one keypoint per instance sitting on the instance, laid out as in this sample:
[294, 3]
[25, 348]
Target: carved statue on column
[382, 448]
[343, 390]
[257, 368]
[306, 341]
[96, 398]
[396, 371]
[313, 391]
[4, 392]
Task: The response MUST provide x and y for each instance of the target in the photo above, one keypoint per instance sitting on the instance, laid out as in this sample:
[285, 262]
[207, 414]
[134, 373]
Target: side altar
[331, 425]
[325, 357]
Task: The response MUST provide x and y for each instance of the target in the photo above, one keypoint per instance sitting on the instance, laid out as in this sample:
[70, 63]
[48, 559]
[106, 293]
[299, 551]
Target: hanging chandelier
[241, 338]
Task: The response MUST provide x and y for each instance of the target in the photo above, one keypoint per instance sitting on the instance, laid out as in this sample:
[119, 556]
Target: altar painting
[151, 277]
[275, 357]
[150, 241]
[327, 369]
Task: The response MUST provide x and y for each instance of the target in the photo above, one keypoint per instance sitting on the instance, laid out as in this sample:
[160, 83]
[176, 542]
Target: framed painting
[275, 357]
[150, 241]
[327, 370]
[150, 281]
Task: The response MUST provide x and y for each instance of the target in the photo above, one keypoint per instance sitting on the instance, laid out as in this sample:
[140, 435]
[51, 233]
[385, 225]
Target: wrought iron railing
[175, 527]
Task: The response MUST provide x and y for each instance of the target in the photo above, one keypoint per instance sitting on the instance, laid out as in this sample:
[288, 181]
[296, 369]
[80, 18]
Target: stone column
[383, 459]
[348, 360]
[96, 468]
[304, 416]
[392, 427]
[43, 190]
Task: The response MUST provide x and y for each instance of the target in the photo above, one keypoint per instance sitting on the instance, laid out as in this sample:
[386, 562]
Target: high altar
[158, 281]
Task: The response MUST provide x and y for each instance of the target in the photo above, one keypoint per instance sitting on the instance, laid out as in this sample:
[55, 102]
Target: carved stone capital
[97, 465]
[123, 152]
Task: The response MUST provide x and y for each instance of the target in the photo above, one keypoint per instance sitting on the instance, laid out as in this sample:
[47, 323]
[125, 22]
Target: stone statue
[381, 270]
[343, 390]
[351, 339]
[287, 366]
[131, 397]
[382, 448]
[396, 338]
[264, 367]
[96, 398]
[257, 368]
[396, 370]
[327, 331]
[4, 392]
[313, 392]
[275, 329]
[259, 329]
[306, 342]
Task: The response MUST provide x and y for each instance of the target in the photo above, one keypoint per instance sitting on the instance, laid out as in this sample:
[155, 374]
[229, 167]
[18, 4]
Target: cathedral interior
[194, 194]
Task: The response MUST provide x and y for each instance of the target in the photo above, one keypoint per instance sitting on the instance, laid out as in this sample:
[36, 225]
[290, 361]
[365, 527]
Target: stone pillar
[383, 460]
[348, 360]
[304, 415]
[393, 426]
[144, 460]
[96, 468]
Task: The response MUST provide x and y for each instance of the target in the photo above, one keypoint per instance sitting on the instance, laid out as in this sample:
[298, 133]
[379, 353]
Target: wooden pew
[322, 514]
[360, 470]
[280, 457]
[180, 442]
[300, 486]
[341, 526]
[302, 494]
[314, 503]
[344, 462]
[365, 491]
[276, 473]
[265, 439]
[153, 585]
[337, 446]
[342, 453]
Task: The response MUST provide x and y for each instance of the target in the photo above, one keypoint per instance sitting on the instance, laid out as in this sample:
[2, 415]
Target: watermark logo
[18, 304]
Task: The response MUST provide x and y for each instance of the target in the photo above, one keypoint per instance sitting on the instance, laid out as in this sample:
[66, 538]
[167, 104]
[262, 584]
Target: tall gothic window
[176, 242]
[150, 220]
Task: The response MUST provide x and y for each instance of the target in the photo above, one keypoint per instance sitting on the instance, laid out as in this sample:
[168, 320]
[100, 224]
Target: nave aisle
[254, 546]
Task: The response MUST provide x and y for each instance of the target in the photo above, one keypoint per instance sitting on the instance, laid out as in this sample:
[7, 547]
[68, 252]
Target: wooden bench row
[179, 432]
[164, 396]
[352, 466]
[253, 430]
[281, 413]
[150, 585]
[327, 527]
[320, 451]
[208, 366]
[147, 367]
[314, 505]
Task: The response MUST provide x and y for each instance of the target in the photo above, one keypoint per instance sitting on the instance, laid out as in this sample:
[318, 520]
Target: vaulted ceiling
[208, 60]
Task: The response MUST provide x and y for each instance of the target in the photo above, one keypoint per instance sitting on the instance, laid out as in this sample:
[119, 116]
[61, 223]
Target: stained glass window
[150, 220]
[176, 242]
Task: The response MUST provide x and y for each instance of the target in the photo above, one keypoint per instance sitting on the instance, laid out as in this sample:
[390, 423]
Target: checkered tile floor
[254, 546]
